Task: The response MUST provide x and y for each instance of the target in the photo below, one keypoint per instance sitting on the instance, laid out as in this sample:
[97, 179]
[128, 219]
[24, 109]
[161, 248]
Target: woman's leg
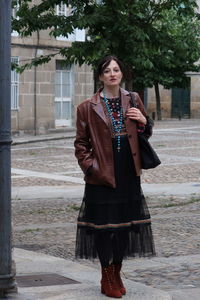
[103, 241]
[111, 247]
[119, 244]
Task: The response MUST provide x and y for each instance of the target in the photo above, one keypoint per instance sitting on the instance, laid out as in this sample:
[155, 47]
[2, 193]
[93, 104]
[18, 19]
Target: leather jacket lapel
[98, 107]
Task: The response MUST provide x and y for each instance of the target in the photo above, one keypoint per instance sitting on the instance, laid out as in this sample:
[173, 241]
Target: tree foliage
[158, 40]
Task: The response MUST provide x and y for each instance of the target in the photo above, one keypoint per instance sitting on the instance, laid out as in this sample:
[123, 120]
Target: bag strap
[133, 100]
[150, 123]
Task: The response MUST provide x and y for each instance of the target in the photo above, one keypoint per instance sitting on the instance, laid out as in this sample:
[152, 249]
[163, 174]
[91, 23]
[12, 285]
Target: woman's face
[112, 74]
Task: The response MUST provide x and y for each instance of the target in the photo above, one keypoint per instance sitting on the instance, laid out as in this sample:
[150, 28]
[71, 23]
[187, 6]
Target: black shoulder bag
[149, 158]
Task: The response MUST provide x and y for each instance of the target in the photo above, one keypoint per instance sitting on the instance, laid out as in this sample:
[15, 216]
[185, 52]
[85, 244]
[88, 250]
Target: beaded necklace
[117, 125]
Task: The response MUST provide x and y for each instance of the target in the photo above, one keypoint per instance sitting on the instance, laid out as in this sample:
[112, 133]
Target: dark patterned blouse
[115, 105]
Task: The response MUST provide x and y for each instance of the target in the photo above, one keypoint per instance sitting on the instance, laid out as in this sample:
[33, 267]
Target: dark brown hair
[105, 61]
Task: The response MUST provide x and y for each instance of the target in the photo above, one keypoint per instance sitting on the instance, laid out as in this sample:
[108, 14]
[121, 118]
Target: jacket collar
[125, 100]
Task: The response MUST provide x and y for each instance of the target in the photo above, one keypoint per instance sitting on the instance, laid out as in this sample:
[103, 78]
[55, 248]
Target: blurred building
[177, 102]
[45, 98]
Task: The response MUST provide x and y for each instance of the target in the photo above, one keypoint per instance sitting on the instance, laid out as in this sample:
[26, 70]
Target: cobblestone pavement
[49, 225]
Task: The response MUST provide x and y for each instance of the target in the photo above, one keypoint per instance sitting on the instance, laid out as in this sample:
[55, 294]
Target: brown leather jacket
[93, 144]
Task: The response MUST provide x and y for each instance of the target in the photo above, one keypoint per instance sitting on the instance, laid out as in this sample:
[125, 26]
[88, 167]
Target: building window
[78, 34]
[14, 86]
[14, 15]
[61, 9]
[63, 94]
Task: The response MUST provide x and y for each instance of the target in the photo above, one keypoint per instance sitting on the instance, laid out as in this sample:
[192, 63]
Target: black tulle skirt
[117, 209]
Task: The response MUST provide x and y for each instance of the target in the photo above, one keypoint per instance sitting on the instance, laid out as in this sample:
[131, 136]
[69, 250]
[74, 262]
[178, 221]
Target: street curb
[42, 139]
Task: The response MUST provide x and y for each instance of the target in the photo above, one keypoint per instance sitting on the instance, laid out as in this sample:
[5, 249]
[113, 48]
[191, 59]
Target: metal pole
[7, 281]
[35, 84]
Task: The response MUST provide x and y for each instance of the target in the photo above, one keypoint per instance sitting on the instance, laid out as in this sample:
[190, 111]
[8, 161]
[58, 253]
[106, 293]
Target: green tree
[157, 40]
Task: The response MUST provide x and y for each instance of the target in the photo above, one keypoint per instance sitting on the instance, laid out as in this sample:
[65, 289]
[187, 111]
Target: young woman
[113, 221]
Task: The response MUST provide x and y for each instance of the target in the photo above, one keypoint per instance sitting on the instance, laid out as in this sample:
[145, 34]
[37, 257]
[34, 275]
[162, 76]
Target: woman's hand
[134, 113]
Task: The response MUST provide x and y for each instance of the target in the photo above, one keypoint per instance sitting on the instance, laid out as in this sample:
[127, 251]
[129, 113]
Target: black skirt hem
[140, 242]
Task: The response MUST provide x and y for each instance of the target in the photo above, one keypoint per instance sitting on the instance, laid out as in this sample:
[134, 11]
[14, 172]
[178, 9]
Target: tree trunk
[158, 106]
[129, 85]
[95, 82]
[128, 77]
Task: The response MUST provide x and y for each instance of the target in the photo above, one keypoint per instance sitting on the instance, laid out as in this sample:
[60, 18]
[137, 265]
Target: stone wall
[36, 99]
[36, 94]
[165, 96]
[83, 86]
[195, 96]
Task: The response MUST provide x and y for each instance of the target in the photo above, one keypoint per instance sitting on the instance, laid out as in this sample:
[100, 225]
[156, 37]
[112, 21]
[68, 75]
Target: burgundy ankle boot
[118, 280]
[108, 284]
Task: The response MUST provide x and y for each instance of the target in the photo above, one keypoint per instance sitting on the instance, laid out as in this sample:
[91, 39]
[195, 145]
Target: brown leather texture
[93, 143]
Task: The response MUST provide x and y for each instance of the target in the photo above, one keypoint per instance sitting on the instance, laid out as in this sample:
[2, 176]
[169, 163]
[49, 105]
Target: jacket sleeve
[148, 128]
[82, 143]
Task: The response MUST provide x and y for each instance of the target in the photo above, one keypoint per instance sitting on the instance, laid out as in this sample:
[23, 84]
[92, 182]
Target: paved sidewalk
[171, 271]
[29, 262]
[150, 189]
[88, 286]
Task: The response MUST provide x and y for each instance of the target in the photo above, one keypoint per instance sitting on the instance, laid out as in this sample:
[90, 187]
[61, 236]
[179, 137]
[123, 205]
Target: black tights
[111, 246]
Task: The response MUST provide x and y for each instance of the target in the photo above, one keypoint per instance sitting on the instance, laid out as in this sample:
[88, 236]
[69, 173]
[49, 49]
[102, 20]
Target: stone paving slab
[185, 294]
[47, 175]
[51, 192]
[29, 262]
[172, 273]
[27, 139]
[87, 292]
[189, 188]
[186, 188]
[156, 262]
